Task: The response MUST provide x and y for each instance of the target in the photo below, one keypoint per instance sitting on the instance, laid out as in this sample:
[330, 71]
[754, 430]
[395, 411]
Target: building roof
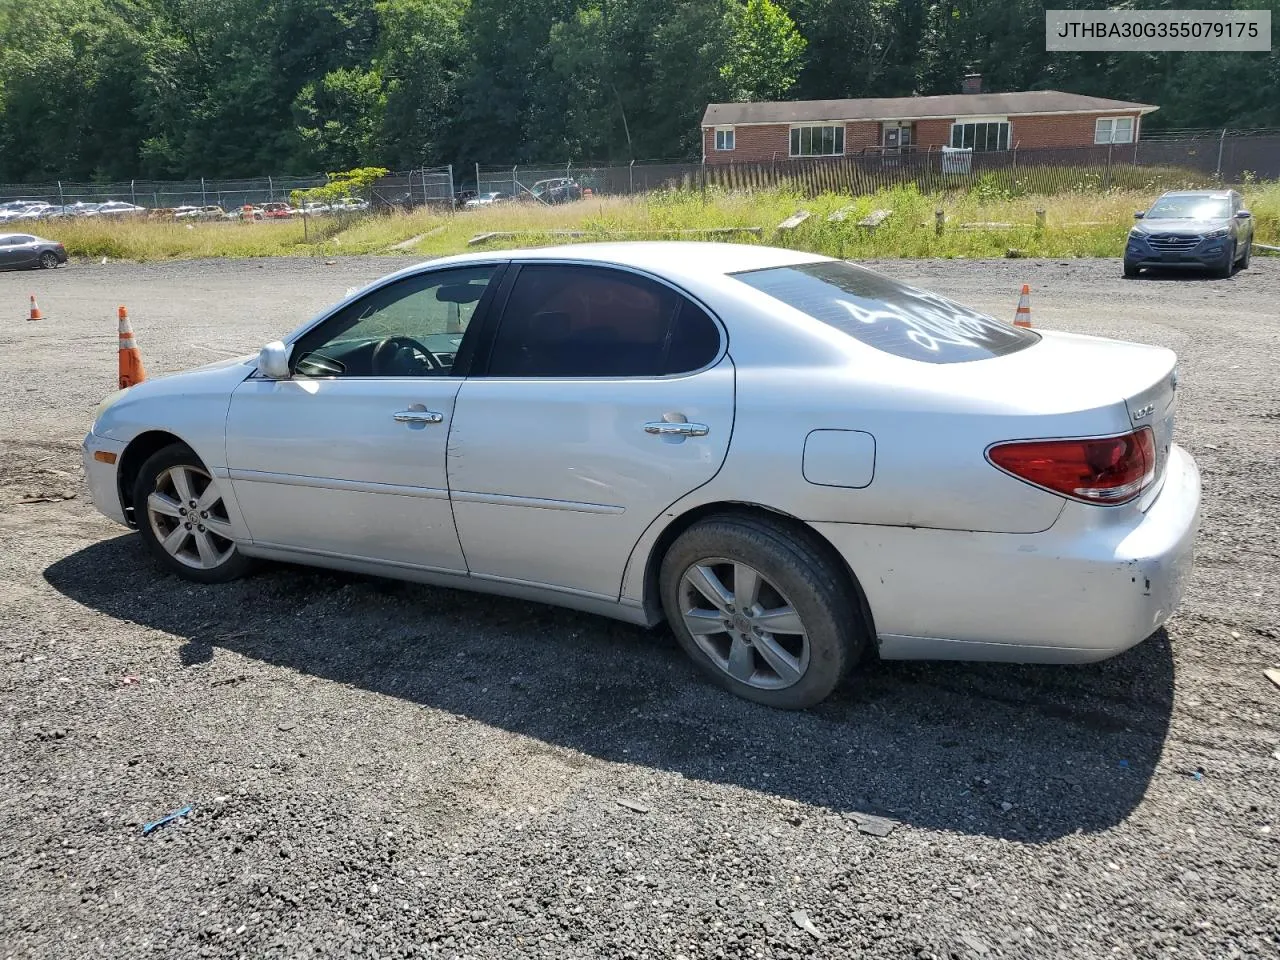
[917, 108]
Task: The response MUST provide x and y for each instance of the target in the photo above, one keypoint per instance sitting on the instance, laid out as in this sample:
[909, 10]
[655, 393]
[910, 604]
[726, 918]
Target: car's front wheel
[1229, 266]
[762, 610]
[49, 260]
[183, 518]
[1131, 270]
[1248, 251]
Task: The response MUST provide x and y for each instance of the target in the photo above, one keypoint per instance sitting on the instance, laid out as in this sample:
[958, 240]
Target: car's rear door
[347, 457]
[605, 396]
[23, 251]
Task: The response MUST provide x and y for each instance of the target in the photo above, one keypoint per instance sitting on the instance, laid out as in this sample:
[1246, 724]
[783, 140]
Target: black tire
[152, 479]
[49, 260]
[1229, 267]
[795, 565]
[1131, 270]
[1248, 252]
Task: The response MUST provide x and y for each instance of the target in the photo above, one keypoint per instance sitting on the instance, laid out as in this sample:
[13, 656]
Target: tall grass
[987, 220]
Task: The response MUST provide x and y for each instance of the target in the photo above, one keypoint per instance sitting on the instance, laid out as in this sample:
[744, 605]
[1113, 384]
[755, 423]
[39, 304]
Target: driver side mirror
[1139, 214]
[1243, 215]
[273, 361]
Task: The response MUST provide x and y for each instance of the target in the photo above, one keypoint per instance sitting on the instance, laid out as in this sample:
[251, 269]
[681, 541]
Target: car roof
[669, 258]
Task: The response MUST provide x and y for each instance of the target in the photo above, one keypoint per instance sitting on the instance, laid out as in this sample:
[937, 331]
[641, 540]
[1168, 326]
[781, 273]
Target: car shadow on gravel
[1027, 753]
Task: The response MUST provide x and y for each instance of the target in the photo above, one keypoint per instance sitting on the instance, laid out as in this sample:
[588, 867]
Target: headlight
[1215, 234]
[1136, 234]
[107, 401]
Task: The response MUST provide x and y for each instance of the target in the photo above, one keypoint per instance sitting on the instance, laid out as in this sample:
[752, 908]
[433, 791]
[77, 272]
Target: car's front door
[606, 397]
[347, 457]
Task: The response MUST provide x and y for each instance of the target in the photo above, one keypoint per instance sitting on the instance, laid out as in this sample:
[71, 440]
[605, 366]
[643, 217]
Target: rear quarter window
[887, 315]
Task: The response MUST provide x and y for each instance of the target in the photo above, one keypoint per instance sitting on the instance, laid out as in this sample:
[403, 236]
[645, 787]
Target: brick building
[760, 132]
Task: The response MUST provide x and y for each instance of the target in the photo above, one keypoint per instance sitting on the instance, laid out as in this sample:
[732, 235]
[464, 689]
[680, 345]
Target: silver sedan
[794, 461]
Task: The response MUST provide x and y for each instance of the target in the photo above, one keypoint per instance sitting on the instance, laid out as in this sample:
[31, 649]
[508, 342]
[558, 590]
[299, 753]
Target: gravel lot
[386, 770]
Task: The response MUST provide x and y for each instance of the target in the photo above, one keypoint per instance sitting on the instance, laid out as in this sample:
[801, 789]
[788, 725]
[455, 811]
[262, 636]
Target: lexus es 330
[792, 460]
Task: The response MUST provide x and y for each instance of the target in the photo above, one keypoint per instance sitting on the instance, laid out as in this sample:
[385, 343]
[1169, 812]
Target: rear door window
[584, 321]
[888, 315]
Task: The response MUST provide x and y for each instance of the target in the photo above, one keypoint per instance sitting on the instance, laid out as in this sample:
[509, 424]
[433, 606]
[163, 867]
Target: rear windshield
[889, 315]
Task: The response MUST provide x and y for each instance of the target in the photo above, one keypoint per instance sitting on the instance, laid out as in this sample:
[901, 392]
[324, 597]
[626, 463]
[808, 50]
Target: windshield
[888, 315]
[1190, 208]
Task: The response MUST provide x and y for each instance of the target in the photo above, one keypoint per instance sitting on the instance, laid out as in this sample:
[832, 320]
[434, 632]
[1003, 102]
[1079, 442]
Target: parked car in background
[23, 210]
[19, 250]
[464, 196]
[81, 209]
[314, 209]
[210, 212]
[349, 205]
[796, 461]
[119, 208]
[277, 210]
[556, 190]
[246, 211]
[487, 199]
[1203, 229]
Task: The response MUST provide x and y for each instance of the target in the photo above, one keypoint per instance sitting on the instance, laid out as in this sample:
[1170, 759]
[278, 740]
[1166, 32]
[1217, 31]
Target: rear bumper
[1093, 585]
[103, 487]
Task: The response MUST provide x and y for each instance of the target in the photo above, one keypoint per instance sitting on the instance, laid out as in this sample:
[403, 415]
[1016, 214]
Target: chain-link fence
[1200, 159]
[409, 188]
[1159, 163]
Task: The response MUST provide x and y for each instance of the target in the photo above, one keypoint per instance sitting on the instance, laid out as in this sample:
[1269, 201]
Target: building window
[817, 140]
[724, 138]
[1113, 130]
[980, 135]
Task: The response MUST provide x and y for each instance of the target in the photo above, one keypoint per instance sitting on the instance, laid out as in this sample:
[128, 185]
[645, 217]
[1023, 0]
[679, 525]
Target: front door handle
[418, 416]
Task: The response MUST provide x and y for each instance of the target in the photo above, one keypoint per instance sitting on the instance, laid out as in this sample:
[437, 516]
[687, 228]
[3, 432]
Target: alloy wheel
[744, 624]
[189, 519]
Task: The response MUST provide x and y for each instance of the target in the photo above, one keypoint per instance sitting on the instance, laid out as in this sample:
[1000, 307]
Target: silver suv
[1206, 229]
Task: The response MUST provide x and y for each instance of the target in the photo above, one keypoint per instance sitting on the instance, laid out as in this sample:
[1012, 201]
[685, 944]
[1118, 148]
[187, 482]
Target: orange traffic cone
[35, 310]
[131, 369]
[1022, 317]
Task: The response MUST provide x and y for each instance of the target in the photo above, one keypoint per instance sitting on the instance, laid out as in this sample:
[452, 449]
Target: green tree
[764, 52]
[339, 117]
[419, 55]
[688, 50]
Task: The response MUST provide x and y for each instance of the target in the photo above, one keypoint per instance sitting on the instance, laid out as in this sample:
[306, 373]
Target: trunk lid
[1128, 386]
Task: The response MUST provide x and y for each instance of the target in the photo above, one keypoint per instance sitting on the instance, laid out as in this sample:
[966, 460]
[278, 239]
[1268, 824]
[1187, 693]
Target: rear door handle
[678, 428]
[418, 416]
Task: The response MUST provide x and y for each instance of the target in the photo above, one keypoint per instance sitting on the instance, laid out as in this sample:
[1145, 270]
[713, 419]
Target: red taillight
[1110, 470]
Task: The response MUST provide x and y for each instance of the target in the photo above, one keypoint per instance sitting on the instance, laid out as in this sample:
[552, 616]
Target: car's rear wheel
[1131, 270]
[1248, 252]
[762, 610]
[183, 518]
[49, 260]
